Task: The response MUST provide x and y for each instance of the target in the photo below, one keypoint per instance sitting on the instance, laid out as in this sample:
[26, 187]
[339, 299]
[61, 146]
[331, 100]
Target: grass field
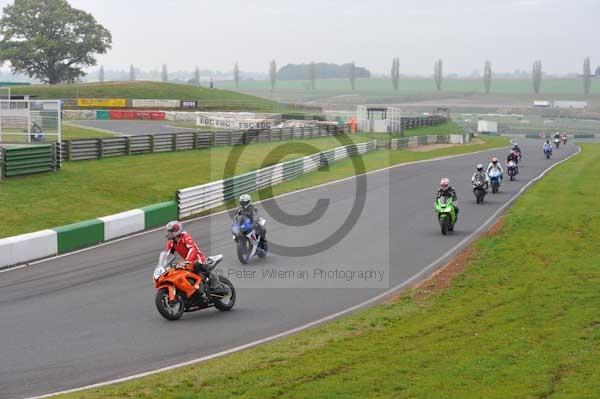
[209, 98]
[384, 86]
[88, 189]
[521, 321]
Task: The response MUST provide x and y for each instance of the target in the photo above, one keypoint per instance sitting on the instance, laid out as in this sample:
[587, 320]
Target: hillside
[210, 98]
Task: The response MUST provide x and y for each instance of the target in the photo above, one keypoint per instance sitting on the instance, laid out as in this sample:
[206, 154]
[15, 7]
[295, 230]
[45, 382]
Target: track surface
[90, 317]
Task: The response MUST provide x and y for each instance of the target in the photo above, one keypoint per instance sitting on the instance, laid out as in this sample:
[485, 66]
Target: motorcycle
[518, 154]
[495, 178]
[564, 139]
[446, 213]
[557, 142]
[248, 241]
[548, 151]
[512, 169]
[479, 189]
[180, 290]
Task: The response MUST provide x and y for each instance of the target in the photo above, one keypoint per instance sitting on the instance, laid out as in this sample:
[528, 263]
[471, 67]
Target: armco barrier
[25, 160]
[83, 149]
[198, 199]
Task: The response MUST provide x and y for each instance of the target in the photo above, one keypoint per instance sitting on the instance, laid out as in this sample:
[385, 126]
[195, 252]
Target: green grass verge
[521, 322]
[70, 132]
[89, 189]
[210, 98]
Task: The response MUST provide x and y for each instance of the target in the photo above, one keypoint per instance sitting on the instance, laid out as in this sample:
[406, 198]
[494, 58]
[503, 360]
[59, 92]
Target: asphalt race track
[90, 316]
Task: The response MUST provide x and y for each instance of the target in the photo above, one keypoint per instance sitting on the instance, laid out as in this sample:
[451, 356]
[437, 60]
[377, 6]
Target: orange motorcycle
[180, 290]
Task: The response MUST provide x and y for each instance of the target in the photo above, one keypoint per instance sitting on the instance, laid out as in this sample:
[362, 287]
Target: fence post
[174, 141]
[100, 145]
[270, 134]
[319, 130]
[151, 142]
[280, 133]
[128, 145]
[213, 139]
[302, 132]
[69, 149]
[230, 138]
[53, 156]
[195, 144]
[2, 158]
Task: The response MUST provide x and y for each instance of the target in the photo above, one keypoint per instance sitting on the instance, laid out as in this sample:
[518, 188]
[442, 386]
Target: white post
[59, 121]
[28, 122]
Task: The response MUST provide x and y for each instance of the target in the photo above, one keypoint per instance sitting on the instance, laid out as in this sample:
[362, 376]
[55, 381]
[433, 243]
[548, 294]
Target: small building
[487, 127]
[542, 104]
[570, 104]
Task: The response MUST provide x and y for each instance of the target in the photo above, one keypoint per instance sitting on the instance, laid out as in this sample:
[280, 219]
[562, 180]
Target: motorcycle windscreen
[165, 258]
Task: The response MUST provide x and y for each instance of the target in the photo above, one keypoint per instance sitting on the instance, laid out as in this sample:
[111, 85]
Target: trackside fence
[197, 199]
[75, 150]
[29, 159]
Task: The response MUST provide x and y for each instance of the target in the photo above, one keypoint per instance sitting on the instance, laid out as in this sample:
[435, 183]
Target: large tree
[438, 74]
[273, 74]
[49, 40]
[352, 75]
[236, 75]
[487, 77]
[536, 76]
[395, 73]
[587, 75]
[312, 75]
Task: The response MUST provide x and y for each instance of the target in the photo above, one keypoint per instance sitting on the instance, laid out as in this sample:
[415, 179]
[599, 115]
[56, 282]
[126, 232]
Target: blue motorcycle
[248, 242]
[495, 180]
[548, 151]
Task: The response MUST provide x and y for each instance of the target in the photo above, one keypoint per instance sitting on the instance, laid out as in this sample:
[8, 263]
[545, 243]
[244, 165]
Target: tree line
[51, 41]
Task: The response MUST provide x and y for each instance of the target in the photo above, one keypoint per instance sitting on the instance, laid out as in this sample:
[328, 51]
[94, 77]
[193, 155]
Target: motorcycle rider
[480, 176]
[446, 190]
[513, 157]
[547, 146]
[181, 242]
[249, 211]
[495, 166]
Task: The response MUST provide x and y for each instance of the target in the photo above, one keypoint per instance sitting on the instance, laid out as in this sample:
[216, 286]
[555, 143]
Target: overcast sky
[213, 34]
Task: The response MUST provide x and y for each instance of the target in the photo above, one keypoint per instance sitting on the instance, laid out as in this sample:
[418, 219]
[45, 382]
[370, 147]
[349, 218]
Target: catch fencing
[82, 149]
[417, 141]
[193, 200]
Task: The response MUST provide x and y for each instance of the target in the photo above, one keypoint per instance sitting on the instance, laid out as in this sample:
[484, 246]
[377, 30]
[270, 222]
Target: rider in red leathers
[181, 242]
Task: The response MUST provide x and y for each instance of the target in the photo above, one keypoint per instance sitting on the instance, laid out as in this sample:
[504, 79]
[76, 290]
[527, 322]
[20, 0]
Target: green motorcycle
[446, 213]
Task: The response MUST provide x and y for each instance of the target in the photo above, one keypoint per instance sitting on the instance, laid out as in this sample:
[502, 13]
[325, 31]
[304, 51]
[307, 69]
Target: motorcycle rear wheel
[170, 311]
[264, 247]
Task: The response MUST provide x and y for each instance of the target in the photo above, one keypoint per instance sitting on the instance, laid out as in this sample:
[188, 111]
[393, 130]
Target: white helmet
[479, 167]
[174, 229]
[445, 183]
[245, 200]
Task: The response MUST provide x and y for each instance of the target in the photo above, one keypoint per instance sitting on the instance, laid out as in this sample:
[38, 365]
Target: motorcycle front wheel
[444, 225]
[243, 251]
[225, 302]
[169, 310]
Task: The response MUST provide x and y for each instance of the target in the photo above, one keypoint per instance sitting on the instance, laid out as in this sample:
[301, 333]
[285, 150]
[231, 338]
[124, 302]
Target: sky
[214, 34]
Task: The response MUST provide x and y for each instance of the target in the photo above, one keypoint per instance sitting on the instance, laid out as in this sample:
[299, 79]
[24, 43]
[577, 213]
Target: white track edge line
[377, 298]
[141, 233]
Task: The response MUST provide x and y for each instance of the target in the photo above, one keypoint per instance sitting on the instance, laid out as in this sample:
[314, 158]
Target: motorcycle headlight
[159, 271]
